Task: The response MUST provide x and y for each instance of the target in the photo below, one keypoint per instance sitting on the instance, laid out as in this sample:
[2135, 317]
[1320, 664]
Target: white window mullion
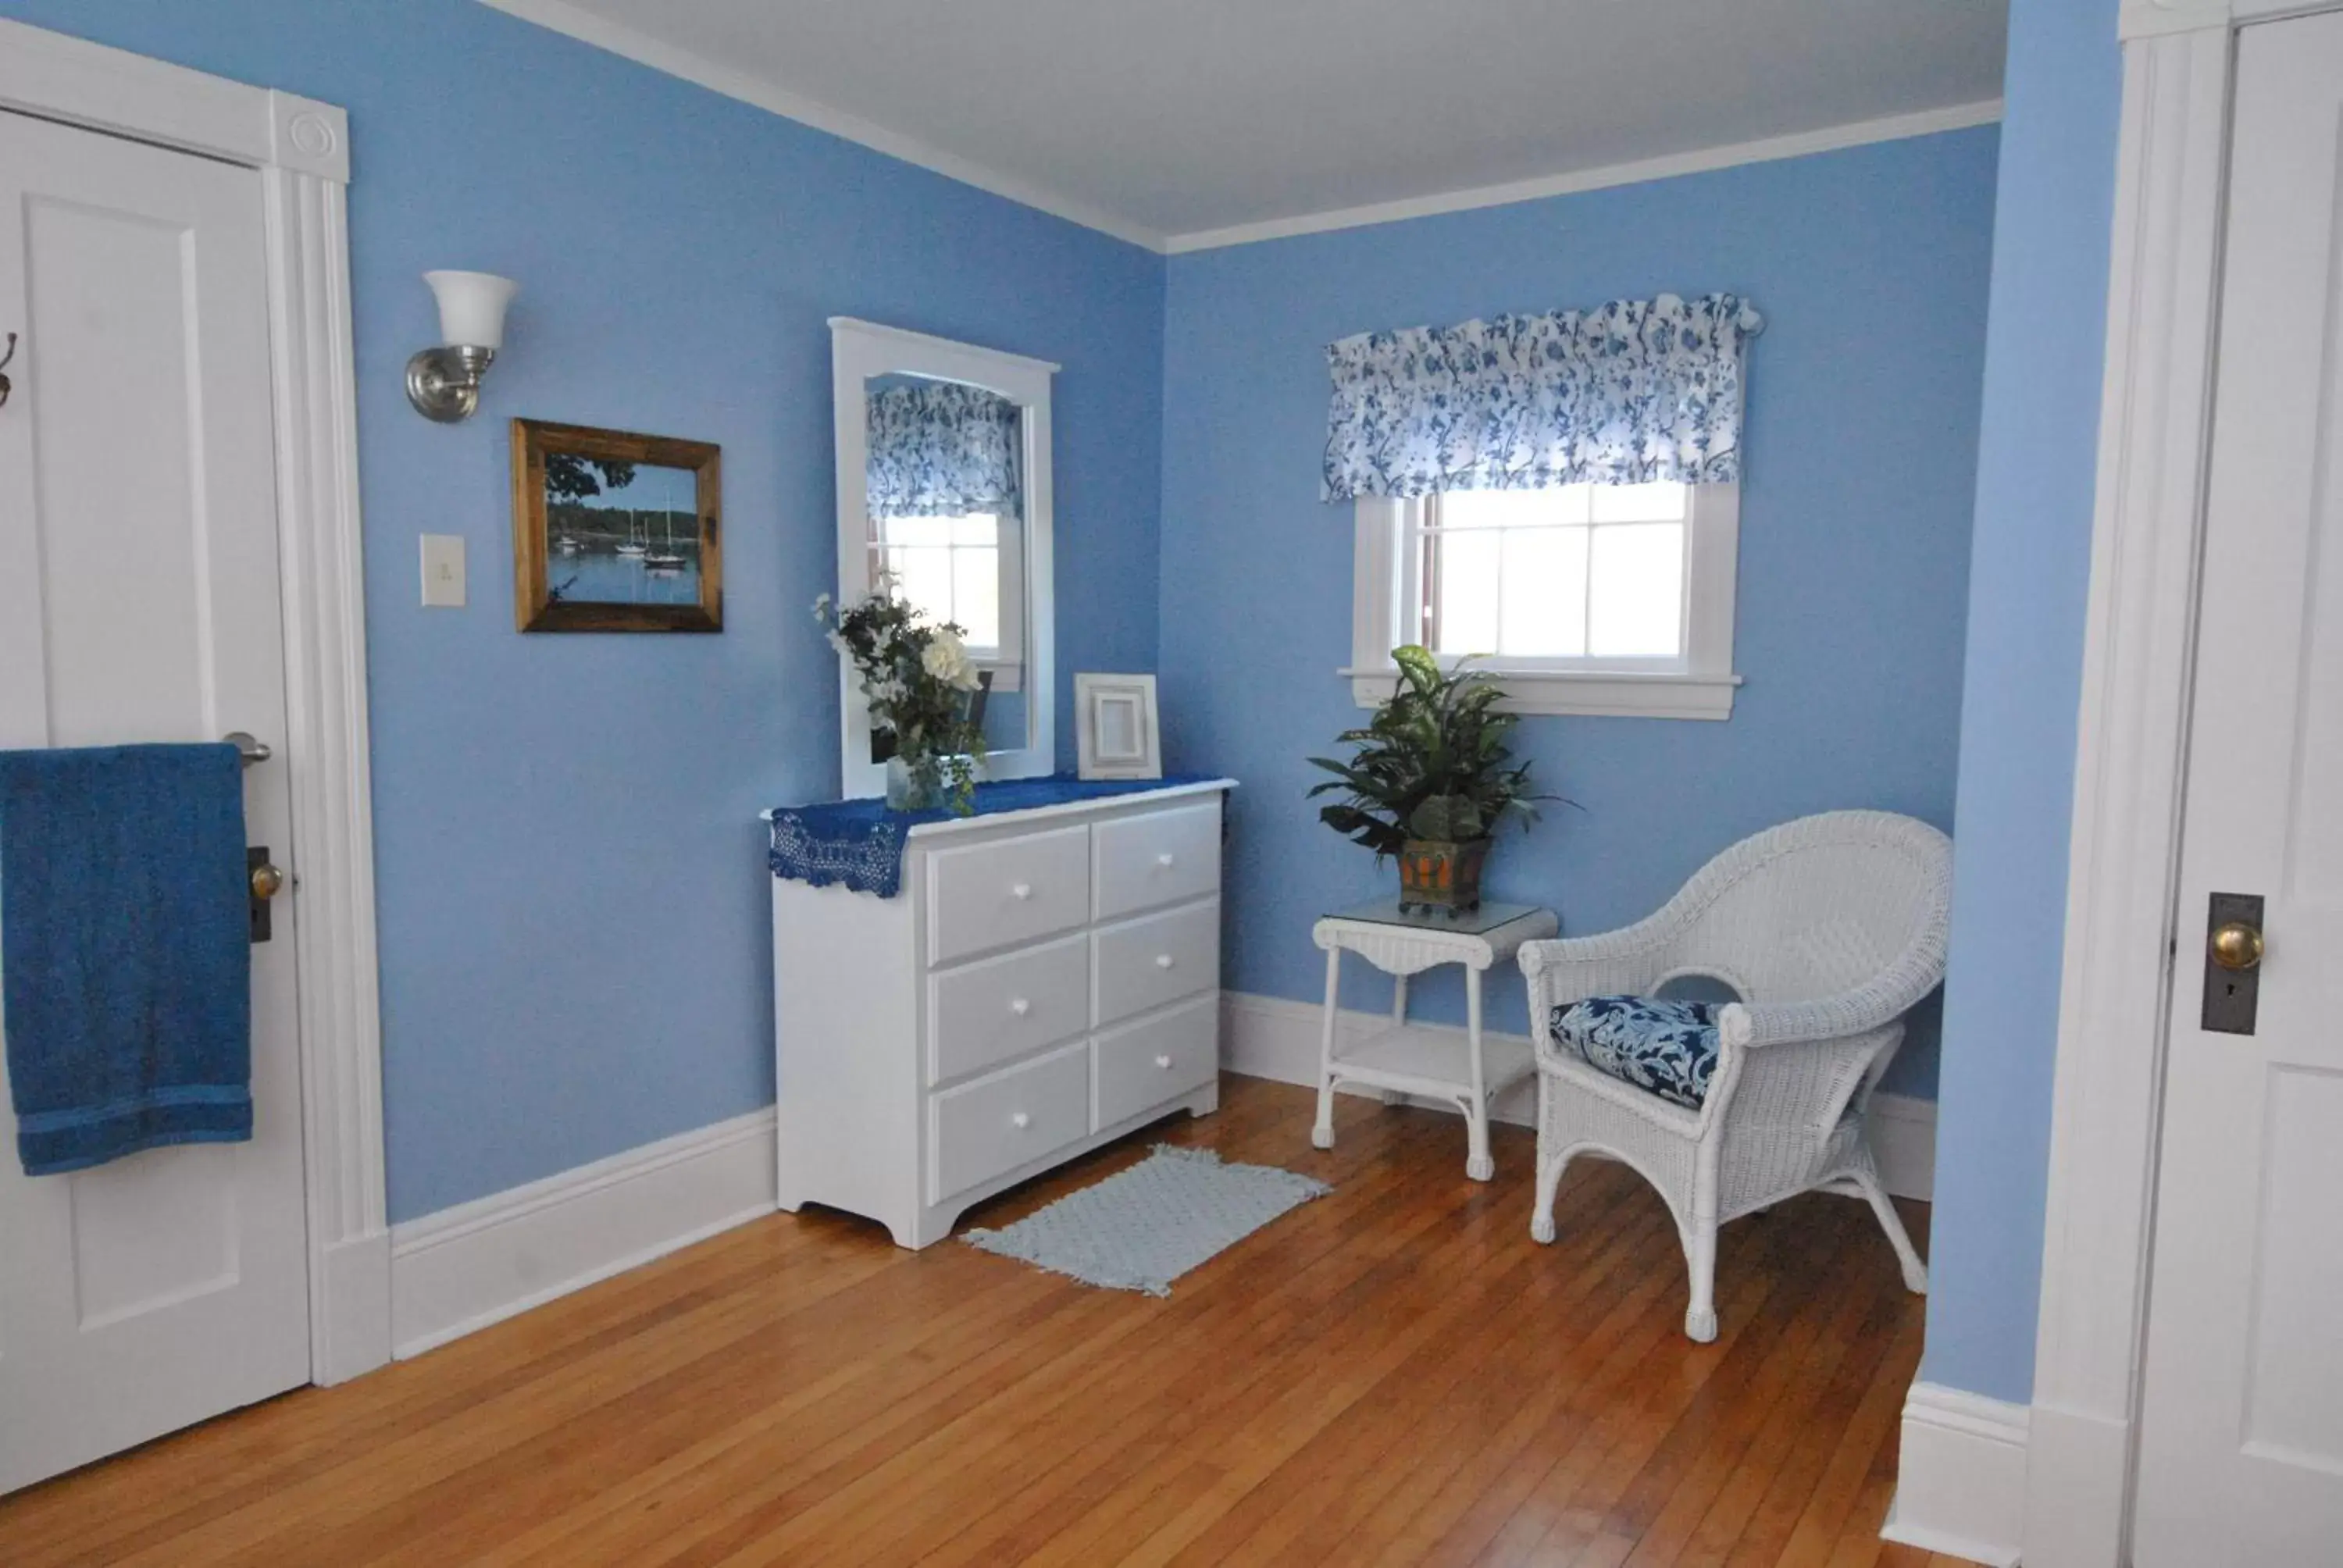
[1586, 593]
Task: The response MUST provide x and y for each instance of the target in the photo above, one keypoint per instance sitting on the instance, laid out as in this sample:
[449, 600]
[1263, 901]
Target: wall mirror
[943, 486]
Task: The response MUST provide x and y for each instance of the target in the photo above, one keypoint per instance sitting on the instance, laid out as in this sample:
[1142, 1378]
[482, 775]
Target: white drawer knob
[1166, 860]
[1163, 960]
[1164, 1062]
[1021, 1120]
[1021, 890]
[1020, 1005]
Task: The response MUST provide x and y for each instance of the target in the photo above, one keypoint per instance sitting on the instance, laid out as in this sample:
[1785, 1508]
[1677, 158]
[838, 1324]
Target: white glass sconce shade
[472, 308]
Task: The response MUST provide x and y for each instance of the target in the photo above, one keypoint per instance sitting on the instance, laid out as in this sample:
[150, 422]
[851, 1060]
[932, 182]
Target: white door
[2241, 1456]
[138, 601]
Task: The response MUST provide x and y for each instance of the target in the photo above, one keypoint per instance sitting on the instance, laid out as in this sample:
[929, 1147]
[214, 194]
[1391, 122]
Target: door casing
[2132, 746]
[299, 150]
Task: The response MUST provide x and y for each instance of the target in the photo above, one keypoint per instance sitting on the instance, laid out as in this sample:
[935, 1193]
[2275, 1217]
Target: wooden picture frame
[587, 558]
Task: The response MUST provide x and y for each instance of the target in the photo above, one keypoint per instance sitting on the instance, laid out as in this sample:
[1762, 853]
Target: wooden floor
[1393, 1375]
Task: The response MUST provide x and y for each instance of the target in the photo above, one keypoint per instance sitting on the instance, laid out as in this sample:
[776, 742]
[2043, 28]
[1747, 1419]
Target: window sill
[1612, 693]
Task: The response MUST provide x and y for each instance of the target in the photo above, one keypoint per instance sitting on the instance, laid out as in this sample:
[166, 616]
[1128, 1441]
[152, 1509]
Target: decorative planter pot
[1434, 875]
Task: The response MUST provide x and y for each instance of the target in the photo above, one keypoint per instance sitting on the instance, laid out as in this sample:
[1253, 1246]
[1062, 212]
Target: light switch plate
[443, 571]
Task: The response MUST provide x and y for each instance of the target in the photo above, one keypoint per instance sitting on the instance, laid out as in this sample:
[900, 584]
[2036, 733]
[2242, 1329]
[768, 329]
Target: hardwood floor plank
[739, 1508]
[1319, 1265]
[1828, 1512]
[1393, 1375]
[1431, 1469]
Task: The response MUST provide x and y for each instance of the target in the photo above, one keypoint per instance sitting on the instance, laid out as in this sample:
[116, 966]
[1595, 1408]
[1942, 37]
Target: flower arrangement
[917, 678]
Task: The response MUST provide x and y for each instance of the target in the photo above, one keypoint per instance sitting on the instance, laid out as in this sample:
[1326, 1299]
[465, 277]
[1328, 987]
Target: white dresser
[1045, 981]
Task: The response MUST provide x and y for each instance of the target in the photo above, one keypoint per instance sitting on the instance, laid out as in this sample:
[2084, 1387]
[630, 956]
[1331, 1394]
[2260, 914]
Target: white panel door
[138, 602]
[2241, 1457]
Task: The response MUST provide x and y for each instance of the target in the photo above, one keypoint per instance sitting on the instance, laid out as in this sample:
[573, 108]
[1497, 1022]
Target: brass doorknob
[267, 881]
[2236, 946]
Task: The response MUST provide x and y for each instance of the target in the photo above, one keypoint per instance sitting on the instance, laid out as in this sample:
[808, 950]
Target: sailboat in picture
[665, 558]
[633, 546]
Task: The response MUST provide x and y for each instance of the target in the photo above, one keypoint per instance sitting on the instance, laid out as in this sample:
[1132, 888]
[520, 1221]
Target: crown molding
[616, 39]
[1829, 138]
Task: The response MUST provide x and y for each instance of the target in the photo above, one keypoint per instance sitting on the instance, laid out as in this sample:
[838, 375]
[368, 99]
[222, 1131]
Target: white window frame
[1005, 660]
[1386, 613]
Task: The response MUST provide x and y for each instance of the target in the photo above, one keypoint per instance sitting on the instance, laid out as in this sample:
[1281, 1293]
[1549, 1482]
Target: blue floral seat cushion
[1668, 1048]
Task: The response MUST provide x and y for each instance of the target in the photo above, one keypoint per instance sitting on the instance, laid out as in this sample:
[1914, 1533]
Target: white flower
[837, 640]
[945, 658]
[821, 609]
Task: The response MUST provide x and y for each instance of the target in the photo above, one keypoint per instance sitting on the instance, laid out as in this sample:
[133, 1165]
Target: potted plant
[1430, 781]
[922, 689]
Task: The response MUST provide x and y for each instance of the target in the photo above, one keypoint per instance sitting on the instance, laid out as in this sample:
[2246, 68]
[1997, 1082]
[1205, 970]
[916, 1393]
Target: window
[1587, 598]
[950, 569]
[963, 569]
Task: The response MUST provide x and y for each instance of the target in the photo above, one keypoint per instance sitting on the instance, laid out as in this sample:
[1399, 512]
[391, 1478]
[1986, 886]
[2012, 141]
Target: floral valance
[939, 449]
[1636, 391]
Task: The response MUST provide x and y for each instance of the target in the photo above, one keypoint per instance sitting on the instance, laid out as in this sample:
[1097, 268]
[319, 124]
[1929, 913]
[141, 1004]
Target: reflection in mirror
[944, 495]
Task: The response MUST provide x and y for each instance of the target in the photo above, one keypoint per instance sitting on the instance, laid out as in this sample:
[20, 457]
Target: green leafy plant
[1433, 763]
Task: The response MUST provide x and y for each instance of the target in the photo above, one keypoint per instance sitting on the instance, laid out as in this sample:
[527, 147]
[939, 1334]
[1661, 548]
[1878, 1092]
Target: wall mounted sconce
[444, 383]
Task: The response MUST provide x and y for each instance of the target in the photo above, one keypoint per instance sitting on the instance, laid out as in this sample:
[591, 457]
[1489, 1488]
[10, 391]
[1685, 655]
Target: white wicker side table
[1403, 1060]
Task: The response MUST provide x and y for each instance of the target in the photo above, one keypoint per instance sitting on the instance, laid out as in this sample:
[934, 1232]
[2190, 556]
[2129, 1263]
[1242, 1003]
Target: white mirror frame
[859, 351]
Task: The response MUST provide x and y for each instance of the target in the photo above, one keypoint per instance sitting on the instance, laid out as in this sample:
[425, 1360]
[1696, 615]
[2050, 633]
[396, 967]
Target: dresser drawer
[1142, 1065]
[1161, 858]
[1012, 1118]
[1145, 963]
[1000, 1008]
[1010, 891]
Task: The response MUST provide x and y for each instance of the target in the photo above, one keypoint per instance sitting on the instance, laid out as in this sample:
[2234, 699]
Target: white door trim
[300, 149]
[2131, 752]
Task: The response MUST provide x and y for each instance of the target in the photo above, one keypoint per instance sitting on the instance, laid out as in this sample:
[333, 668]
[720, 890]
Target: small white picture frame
[1114, 725]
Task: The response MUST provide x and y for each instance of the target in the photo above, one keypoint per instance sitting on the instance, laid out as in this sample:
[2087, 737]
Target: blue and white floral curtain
[1637, 391]
[939, 449]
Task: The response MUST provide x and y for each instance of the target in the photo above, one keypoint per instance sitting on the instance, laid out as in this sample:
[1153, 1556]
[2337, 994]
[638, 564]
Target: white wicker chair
[1828, 929]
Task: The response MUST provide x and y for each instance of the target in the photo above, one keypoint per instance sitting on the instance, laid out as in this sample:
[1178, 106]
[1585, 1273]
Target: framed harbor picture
[614, 532]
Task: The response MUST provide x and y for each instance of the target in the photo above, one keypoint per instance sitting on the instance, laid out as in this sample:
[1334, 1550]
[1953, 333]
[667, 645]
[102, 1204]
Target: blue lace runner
[860, 842]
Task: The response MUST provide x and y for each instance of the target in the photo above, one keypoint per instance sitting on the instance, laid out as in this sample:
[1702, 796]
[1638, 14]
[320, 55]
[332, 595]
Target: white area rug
[1141, 1229]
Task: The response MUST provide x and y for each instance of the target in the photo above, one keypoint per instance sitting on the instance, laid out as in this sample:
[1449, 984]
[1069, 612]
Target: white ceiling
[1174, 121]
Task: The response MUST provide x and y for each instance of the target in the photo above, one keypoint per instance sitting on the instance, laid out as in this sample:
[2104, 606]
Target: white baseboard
[1960, 1482]
[479, 1263]
[1273, 1037]
[1904, 1142]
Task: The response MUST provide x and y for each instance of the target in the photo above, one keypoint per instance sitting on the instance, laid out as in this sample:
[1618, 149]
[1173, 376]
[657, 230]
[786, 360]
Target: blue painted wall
[574, 930]
[1870, 265]
[2030, 574]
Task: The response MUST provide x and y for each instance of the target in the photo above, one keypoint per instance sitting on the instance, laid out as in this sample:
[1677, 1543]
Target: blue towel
[126, 963]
